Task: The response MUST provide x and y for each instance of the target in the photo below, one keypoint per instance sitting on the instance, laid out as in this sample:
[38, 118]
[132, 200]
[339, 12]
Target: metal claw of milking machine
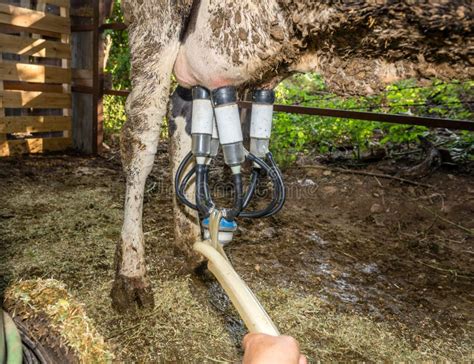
[216, 123]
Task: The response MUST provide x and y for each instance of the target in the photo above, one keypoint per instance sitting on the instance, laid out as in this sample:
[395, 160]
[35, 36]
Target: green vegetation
[118, 66]
[293, 134]
[300, 134]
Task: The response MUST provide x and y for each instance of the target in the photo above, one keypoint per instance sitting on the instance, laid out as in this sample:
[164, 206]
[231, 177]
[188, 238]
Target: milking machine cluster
[215, 124]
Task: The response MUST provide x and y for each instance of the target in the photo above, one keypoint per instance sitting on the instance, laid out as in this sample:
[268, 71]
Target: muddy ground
[356, 267]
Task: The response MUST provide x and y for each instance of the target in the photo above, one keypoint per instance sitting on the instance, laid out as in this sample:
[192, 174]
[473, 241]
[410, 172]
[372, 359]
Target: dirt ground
[355, 267]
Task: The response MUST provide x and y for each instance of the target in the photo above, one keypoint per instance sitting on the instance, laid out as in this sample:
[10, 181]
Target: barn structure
[50, 76]
[52, 80]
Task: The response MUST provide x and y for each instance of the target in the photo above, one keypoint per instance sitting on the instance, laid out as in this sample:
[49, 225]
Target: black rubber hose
[185, 201]
[177, 180]
[231, 214]
[201, 201]
[281, 185]
[252, 187]
[184, 183]
[207, 193]
[267, 211]
[203, 197]
[280, 194]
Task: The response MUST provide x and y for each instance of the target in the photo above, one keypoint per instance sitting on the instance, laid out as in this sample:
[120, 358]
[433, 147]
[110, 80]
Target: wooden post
[87, 61]
[88, 64]
[3, 137]
[98, 75]
[82, 43]
[66, 38]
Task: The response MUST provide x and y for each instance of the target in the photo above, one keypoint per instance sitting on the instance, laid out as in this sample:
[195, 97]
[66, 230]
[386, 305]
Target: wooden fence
[35, 76]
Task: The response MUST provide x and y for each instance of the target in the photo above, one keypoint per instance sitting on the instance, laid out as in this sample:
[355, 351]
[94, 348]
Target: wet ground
[355, 266]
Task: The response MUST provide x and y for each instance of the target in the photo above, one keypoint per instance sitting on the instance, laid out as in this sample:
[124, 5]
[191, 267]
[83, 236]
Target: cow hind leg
[186, 221]
[131, 286]
[153, 54]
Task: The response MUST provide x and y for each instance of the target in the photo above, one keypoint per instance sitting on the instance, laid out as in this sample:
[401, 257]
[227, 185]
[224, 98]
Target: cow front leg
[153, 52]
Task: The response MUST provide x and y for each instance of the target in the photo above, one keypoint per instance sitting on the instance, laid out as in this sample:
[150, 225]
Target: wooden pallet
[35, 76]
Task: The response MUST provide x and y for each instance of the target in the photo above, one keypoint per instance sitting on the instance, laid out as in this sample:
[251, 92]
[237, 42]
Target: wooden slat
[12, 29]
[33, 20]
[41, 145]
[82, 12]
[26, 46]
[82, 8]
[33, 124]
[25, 86]
[35, 100]
[82, 77]
[10, 71]
[62, 3]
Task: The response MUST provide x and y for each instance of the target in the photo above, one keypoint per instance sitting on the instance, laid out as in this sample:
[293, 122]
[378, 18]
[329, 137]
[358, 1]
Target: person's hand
[266, 349]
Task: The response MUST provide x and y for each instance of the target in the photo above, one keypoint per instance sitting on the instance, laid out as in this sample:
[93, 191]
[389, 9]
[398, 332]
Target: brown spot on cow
[238, 17]
[236, 56]
[277, 32]
[216, 24]
[243, 34]
[256, 38]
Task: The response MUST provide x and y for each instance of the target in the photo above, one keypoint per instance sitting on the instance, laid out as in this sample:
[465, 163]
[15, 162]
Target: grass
[327, 335]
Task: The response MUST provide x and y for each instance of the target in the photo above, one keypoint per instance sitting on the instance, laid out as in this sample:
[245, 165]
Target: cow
[356, 45]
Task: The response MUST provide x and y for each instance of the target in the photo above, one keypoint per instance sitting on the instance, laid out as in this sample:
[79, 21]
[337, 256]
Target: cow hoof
[130, 293]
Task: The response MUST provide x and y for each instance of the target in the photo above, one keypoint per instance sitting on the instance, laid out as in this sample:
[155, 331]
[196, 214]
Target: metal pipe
[2, 339]
[14, 349]
[427, 121]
